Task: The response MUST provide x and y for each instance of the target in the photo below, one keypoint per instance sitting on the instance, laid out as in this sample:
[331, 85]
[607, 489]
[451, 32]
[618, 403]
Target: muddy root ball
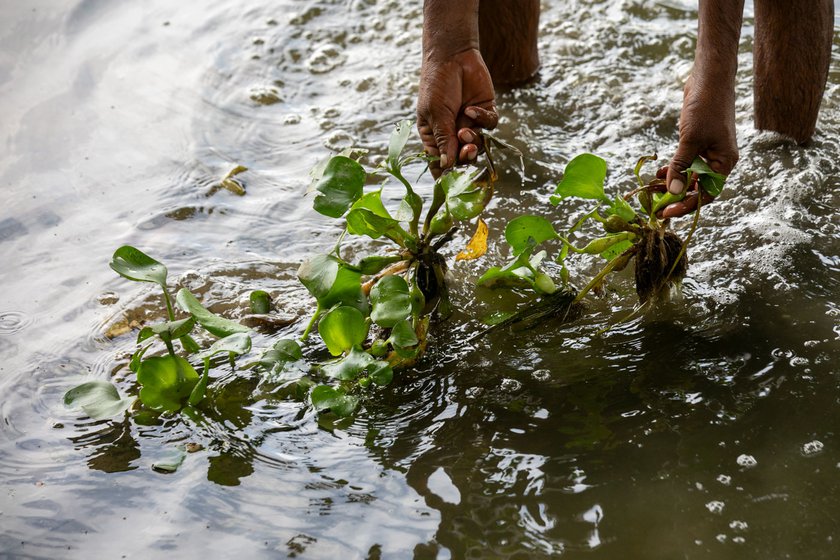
[657, 252]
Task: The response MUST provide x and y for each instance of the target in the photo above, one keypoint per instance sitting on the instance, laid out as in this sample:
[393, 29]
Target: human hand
[455, 103]
[707, 129]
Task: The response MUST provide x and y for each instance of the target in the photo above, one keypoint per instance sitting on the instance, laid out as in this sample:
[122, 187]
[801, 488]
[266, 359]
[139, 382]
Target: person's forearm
[449, 27]
[718, 34]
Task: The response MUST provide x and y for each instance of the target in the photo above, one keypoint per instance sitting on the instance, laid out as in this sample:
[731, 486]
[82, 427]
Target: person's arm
[456, 91]
[707, 119]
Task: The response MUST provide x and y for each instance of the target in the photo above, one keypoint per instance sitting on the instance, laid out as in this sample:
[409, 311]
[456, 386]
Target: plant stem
[415, 211]
[311, 324]
[596, 280]
[438, 199]
[168, 304]
[688, 237]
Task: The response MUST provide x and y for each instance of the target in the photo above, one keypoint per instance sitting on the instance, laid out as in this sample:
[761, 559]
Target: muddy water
[707, 429]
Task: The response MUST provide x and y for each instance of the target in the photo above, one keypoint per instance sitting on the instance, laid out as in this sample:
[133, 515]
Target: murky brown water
[708, 430]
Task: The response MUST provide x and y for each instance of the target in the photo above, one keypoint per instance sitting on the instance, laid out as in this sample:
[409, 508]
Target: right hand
[707, 129]
[455, 103]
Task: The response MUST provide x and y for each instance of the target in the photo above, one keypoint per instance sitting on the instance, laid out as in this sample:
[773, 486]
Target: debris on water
[234, 185]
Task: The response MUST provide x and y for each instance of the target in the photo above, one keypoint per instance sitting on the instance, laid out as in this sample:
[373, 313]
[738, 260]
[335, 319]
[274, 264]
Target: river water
[705, 429]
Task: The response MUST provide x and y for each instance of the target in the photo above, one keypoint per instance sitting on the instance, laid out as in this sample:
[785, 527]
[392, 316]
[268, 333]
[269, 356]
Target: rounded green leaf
[519, 230]
[391, 301]
[403, 335]
[583, 177]
[260, 302]
[324, 397]
[136, 265]
[342, 328]
[348, 367]
[166, 381]
[98, 399]
[331, 282]
[381, 372]
[339, 187]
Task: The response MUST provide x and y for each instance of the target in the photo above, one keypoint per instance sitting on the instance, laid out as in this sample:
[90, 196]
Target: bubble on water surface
[511, 385]
[812, 447]
[746, 461]
[541, 375]
[325, 59]
[715, 506]
[737, 525]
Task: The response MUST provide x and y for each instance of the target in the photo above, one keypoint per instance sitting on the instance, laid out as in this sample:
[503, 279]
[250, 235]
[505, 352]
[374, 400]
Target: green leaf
[134, 363]
[519, 230]
[260, 302]
[465, 199]
[166, 382]
[331, 282]
[190, 345]
[350, 366]
[368, 216]
[517, 269]
[456, 183]
[218, 326]
[622, 209]
[375, 264]
[711, 182]
[339, 187]
[403, 335]
[583, 177]
[324, 397]
[381, 372]
[136, 265]
[98, 399]
[168, 331]
[391, 301]
[397, 142]
[280, 357]
[616, 250]
[342, 328]
[236, 343]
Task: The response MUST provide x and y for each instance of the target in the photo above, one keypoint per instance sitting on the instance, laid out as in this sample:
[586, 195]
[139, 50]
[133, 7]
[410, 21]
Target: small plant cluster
[372, 315]
[660, 259]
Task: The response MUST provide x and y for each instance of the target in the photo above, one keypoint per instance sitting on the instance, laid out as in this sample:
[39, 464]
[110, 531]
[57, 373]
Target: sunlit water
[707, 429]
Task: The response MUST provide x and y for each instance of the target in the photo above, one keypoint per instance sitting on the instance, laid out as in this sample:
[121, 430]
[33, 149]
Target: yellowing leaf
[477, 245]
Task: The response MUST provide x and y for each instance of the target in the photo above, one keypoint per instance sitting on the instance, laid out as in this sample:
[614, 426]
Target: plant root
[657, 264]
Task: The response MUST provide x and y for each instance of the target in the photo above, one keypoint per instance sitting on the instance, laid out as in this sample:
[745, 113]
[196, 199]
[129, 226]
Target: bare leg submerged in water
[469, 46]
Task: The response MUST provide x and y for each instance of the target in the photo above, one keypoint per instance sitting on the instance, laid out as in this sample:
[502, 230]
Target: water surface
[706, 429]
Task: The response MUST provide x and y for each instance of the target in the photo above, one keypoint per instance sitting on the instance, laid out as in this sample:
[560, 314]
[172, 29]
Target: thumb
[681, 161]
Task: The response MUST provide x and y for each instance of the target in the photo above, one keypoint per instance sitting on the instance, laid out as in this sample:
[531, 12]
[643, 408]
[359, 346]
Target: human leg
[791, 58]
